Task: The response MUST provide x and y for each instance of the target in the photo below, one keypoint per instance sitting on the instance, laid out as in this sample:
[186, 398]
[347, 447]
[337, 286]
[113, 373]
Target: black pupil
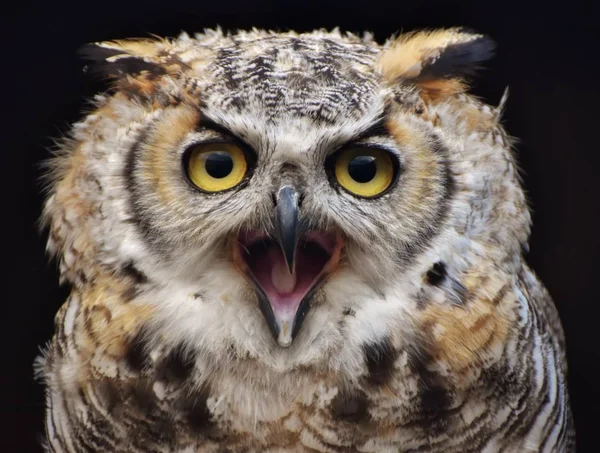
[219, 164]
[362, 168]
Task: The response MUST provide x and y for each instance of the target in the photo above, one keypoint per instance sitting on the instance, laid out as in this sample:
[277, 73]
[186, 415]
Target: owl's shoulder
[540, 300]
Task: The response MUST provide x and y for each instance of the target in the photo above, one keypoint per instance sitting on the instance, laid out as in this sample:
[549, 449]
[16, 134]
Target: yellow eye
[214, 167]
[363, 171]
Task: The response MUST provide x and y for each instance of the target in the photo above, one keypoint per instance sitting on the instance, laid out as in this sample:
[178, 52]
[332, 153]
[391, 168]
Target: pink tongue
[283, 282]
[284, 290]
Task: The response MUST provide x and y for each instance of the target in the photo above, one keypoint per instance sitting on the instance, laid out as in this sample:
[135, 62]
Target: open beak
[287, 268]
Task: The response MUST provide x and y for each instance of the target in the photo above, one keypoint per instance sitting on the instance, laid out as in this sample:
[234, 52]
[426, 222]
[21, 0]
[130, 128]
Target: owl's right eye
[215, 167]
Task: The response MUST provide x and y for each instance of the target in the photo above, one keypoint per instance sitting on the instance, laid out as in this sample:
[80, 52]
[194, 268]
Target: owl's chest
[319, 415]
[171, 406]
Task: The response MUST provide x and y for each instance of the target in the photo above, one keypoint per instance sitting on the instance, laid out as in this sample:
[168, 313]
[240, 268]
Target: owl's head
[286, 197]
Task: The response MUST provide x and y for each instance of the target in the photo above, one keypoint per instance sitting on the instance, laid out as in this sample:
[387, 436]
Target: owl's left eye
[366, 172]
[215, 167]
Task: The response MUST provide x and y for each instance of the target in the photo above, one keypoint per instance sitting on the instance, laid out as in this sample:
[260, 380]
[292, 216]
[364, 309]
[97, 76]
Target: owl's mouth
[285, 291]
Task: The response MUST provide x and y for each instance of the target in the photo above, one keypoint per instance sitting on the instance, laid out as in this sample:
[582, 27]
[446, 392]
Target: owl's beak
[286, 266]
[286, 224]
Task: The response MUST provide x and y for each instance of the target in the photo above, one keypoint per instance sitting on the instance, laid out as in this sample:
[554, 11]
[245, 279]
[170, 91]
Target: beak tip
[284, 342]
[284, 339]
[290, 261]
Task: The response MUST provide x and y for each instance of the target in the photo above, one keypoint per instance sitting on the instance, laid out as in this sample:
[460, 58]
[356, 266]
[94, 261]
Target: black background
[548, 55]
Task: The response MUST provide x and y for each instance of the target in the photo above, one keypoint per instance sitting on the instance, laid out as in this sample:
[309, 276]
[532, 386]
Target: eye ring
[216, 166]
[364, 171]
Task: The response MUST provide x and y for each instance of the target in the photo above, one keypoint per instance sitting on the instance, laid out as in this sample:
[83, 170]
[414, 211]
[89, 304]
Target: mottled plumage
[360, 287]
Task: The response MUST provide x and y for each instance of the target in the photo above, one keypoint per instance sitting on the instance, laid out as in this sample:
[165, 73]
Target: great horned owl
[283, 242]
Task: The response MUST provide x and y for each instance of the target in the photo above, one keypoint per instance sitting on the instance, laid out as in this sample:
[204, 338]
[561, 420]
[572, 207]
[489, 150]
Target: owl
[285, 242]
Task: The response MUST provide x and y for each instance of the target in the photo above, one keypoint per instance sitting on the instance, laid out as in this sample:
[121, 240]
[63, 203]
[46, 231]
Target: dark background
[547, 54]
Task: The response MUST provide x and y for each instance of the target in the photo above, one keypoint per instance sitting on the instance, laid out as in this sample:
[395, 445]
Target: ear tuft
[136, 66]
[436, 60]
[115, 60]
[459, 60]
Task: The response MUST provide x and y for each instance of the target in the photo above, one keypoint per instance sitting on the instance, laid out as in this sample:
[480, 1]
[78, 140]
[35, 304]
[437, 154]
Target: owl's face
[281, 198]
